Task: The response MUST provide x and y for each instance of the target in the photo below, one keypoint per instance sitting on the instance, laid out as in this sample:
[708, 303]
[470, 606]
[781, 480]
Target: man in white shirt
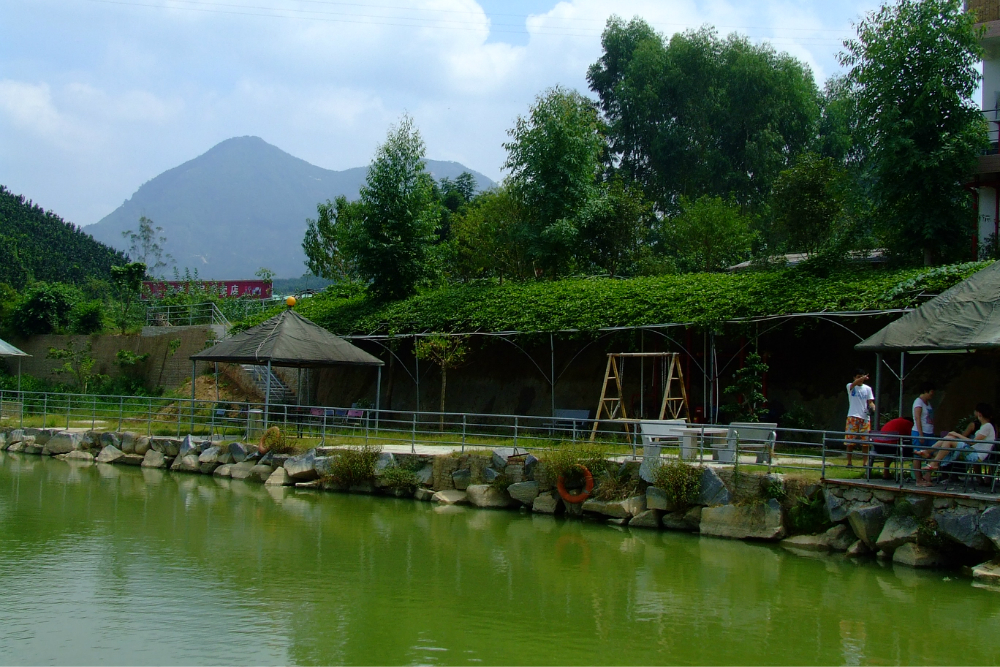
[862, 402]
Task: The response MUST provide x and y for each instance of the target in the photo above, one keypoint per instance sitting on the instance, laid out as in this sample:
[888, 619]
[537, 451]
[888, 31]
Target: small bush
[681, 482]
[355, 465]
[563, 463]
[396, 478]
[808, 516]
[45, 309]
[617, 485]
[501, 482]
[87, 318]
[274, 441]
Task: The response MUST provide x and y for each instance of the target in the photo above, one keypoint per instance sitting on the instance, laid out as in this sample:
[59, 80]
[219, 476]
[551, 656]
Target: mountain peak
[239, 206]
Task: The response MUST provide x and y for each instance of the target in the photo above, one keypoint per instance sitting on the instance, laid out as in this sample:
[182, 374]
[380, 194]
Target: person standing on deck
[862, 403]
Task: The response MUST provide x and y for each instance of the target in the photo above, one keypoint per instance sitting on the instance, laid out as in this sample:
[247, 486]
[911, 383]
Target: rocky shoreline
[915, 530]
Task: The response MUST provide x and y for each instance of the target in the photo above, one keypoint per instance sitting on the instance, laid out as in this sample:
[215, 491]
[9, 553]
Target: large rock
[210, 455]
[302, 468]
[523, 492]
[142, 445]
[840, 537]
[425, 476]
[807, 542]
[238, 451]
[30, 446]
[15, 435]
[450, 497]
[189, 446]
[261, 473]
[920, 506]
[323, 465]
[462, 478]
[915, 555]
[423, 495]
[656, 499]
[529, 466]
[490, 475]
[514, 472]
[64, 442]
[385, 460]
[989, 525]
[241, 470]
[186, 463]
[961, 525]
[836, 508]
[546, 503]
[484, 495]
[617, 509]
[130, 460]
[712, 490]
[110, 454]
[279, 478]
[165, 446]
[225, 470]
[988, 572]
[500, 456]
[78, 456]
[867, 522]
[898, 530]
[154, 459]
[647, 519]
[759, 522]
[128, 442]
[859, 548]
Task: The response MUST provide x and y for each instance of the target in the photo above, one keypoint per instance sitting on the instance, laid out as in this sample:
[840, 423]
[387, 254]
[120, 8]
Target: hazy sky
[99, 96]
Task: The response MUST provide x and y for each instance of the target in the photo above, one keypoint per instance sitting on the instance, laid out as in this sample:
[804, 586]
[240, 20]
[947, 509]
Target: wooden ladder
[612, 405]
[672, 402]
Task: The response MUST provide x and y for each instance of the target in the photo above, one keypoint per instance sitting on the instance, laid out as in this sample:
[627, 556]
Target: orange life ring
[588, 486]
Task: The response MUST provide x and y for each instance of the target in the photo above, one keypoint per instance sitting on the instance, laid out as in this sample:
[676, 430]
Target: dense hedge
[36, 244]
[703, 299]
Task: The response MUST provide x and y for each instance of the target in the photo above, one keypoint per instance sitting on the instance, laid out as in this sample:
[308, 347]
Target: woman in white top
[971, 450]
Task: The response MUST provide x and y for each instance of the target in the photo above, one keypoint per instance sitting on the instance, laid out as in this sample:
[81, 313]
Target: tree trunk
[444, 385]
[928, 257]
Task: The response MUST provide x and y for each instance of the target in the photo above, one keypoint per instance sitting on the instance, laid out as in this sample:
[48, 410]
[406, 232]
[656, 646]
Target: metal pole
[417, 362]
[642, 376]
[267, 393]
[194, 366]
[902, 366]
[878, 392]
[19, 384]
[413, 435]
[45, 411]
[378, 396]
[552, 372]
[464, 421]
[121, 411]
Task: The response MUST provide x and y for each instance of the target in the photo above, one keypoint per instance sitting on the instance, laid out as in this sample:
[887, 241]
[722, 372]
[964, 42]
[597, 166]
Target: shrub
[355, 465]
[501, 482]
[679, 481]
[617, 485]
[563, 463]
[45, 309]
[274, 441]
[87, 318]
[399, 479]
[808, 516]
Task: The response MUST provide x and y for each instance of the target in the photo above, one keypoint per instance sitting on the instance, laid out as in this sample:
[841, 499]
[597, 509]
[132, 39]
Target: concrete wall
[160, 369]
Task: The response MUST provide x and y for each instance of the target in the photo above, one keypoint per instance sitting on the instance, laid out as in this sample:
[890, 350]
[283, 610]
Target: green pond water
[119, 565]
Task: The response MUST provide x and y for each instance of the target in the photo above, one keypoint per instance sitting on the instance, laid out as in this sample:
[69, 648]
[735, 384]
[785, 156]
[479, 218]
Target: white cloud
[139, 90]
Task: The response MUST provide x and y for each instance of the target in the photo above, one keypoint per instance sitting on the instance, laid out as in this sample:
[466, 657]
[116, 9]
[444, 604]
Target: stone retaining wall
[910, 529]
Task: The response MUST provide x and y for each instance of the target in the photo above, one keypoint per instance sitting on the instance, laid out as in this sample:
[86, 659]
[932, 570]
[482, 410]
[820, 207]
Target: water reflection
[125, 565]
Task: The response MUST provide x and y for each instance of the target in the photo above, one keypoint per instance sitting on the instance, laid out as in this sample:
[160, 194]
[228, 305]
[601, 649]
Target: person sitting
[887, 442]
[959, 445]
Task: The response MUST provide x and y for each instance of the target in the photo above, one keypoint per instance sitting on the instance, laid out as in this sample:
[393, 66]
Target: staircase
[261, 377]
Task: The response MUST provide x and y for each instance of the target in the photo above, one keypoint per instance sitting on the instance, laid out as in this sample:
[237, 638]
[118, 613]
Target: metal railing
[186, 315]
[821, 453]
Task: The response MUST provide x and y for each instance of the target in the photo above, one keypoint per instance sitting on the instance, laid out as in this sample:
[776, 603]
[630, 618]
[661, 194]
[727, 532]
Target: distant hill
[240, 206]
[36, 244]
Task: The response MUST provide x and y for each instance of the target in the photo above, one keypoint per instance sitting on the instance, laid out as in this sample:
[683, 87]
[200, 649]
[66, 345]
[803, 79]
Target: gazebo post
[378, 396]
[19, 378]
[267, 393]
[902, 366]
[194, 365]
[878, 390]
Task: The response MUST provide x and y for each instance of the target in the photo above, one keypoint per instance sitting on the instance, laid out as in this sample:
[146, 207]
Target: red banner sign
[251, 289]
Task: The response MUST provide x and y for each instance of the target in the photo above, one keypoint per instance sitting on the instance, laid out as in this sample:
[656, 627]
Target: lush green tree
[36, 244]
[809, 202]
[396, 231]
[87, 317]
[486, 237]
[330, 241]
[145, 245]
[708, 234]
[446, 352]
[614, 225]
[835, 127]
[127, 282]
[554, 158]
[45, 308]
[913, 68]
[700, 114]
[77, 363]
